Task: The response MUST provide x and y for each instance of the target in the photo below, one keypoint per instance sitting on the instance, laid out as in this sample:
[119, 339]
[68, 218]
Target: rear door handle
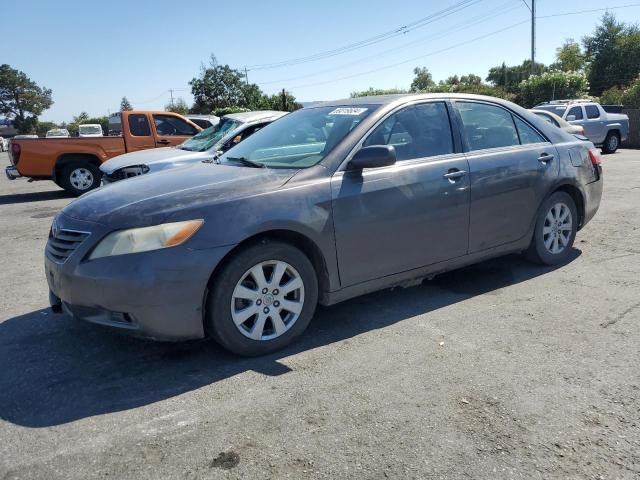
[164, 142]
[545, 158]
[454, 174]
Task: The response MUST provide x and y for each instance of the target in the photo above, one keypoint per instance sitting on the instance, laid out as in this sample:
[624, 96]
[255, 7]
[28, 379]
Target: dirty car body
[435, 189]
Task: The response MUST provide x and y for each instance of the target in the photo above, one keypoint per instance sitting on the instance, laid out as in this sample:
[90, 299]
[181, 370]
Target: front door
[512, 167]
[172, 130]
[415, 213]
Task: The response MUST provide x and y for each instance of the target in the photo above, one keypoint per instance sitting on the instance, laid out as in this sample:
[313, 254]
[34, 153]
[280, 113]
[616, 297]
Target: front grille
[61, 245]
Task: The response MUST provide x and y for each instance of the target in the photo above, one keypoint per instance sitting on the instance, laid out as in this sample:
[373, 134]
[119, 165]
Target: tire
[79, 177]
[237, 294]
[611, 143]
[552, 242]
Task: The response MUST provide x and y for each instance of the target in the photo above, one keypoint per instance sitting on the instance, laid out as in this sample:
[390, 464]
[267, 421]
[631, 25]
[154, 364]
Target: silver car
[204, 146]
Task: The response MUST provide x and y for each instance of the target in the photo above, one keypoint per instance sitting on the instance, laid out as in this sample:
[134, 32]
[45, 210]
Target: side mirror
[571, 118]
[374, 156]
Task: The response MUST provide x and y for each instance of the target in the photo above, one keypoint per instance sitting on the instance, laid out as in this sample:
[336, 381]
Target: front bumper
[157, 294]
[12, 172]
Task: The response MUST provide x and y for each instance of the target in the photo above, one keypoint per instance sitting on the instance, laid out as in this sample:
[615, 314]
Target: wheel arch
[67, 158]
[291, 237]
[577, 196]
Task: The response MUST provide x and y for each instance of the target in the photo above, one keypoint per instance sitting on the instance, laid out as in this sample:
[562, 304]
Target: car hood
[150, 157]
[152, 199]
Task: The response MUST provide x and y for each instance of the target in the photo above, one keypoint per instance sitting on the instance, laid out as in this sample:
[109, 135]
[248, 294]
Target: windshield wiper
[247, 162]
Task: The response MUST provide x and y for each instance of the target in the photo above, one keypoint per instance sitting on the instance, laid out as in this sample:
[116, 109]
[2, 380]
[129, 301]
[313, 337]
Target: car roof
[245, 117]
[399, 99]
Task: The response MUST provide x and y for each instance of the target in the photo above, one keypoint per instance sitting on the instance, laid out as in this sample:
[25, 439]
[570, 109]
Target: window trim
[467, 148]
[579, 107]
[164, 114]
[455, 135]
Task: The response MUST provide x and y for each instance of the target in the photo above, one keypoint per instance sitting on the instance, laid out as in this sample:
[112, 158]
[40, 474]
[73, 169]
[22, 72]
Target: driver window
[416, 132]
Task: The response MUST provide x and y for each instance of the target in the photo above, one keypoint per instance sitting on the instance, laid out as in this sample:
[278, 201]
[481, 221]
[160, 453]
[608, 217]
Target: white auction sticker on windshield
[348, 111]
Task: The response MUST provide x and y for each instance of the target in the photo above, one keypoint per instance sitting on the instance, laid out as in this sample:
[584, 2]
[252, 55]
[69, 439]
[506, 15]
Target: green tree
[552, 85]
[76, 122]
[179, 106]
[631, 96]
[509, 78]
[216, 87]
[378, 91]
[22, 99]
[569, 57]
[612, 53]
[125, 105]
[422, 80]
[612, 96]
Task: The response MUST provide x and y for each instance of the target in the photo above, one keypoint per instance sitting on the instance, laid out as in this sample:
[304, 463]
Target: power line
[371, 40]
[615, 7]
[500, 9]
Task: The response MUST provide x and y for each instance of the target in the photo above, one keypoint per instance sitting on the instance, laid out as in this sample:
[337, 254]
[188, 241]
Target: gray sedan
[328, 203]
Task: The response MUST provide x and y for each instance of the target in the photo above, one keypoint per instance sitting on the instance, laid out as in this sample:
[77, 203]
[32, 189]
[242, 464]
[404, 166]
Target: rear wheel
[611, 143]
[263, 298]
[555, 230]
[79, 177]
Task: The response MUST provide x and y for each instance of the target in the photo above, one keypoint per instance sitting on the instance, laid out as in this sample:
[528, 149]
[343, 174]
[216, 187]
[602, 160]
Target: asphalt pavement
[500, 370]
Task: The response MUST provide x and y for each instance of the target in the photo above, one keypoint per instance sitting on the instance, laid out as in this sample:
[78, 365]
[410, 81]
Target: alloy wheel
[557, 228]
[267, 300]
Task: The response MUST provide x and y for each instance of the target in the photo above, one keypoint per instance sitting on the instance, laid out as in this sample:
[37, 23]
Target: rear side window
[592, 111]
[487, 126]
[416, 132]
[527, 134]
[139, 125]
[576, 112]
[547, 118]
[115, 125]
[168, 125]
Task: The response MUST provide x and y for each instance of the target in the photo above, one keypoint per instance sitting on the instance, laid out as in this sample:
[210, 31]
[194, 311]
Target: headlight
[135, 240]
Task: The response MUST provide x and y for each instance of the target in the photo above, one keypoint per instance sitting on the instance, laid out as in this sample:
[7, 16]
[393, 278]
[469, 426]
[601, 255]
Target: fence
[634, 128]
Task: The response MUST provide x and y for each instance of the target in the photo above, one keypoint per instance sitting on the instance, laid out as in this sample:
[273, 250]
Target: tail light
[595, 158]
[15, 153]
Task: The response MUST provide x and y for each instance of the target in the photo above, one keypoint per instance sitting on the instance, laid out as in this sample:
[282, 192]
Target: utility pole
[171, 93]
[533, 36]
[246, 75]
[284, 100]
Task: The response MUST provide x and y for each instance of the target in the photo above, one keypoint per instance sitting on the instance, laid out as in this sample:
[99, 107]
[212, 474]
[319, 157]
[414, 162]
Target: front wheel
[262, 299]
[79, 177]
[555, 230]
[611, 143]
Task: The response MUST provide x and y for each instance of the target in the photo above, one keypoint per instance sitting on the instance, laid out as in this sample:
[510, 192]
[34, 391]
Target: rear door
[594, 128]
[412, 214]
[139, 135]
[512, 167]
[171, 130]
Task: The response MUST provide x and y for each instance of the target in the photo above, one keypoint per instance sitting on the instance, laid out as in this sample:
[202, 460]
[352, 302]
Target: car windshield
[209, 137]
[57, 133]
[557, 109]
[298, 140]
[89, 130]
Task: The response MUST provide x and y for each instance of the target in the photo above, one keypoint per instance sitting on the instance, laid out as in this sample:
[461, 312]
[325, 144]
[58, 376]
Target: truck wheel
[611, 143]
[79, 177]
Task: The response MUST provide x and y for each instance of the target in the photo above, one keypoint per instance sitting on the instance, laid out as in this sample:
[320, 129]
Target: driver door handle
[545, 158]
[454, 174]
[164, 141]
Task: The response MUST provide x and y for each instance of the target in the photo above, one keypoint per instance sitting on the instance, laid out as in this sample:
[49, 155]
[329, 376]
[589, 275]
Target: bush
[631, 96]
[613, 96]
[551, 85]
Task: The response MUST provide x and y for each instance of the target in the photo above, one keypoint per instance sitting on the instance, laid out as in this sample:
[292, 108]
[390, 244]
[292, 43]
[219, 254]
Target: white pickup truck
[602, 128]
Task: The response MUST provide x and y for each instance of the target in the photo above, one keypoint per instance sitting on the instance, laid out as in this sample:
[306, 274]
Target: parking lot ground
[500, 370]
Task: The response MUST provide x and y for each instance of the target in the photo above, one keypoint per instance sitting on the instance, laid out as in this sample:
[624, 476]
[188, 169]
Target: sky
[91, 54]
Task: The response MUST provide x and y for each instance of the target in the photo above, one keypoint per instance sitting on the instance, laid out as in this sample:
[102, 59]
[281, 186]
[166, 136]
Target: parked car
[89, 130]
[602, 128]
[4, 145]
[204, 146]
[25, 135]
[557, 121]
[325, 204]
[73, 163]
[204, 121]
[57, 133]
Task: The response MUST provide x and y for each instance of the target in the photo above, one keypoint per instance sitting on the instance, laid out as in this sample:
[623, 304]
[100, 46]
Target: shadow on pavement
[56, 370]
[33, 197]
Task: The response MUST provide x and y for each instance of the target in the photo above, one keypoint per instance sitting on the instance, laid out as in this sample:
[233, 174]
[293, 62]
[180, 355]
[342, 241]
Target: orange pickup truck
[73, 163]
